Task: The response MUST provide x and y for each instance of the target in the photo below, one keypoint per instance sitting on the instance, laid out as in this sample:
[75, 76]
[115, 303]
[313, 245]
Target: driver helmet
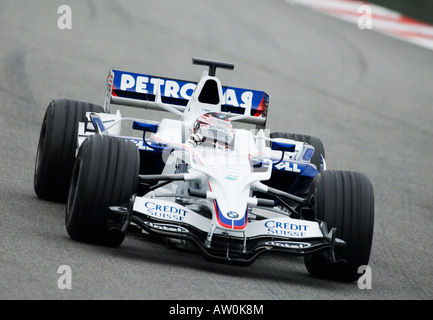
[215, 128]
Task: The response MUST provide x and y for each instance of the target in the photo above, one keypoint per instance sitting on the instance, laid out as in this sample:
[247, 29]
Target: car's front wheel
[344, 200]
[105, 174]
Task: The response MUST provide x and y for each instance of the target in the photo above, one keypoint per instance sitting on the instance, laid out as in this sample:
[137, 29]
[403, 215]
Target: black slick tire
[344, 200]
[105, 174]
[57, 146]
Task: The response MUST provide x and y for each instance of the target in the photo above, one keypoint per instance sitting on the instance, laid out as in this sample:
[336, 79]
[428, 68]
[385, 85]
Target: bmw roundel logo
[233, 214]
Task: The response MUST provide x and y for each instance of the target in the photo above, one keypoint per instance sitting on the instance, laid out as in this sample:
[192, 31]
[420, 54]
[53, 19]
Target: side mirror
[281, 146]
[146, 127]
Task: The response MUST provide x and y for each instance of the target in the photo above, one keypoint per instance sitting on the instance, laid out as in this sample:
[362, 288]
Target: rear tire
[105, 174]
[57, 145]
[344, 200]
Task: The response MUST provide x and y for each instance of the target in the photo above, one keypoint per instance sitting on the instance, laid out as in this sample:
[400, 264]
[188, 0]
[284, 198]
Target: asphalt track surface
[367, 96]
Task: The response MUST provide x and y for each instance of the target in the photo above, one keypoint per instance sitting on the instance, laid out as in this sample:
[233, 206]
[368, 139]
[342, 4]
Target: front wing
[172, 220]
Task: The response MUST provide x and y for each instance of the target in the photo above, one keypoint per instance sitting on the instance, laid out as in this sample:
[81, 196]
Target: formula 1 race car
[196, 181]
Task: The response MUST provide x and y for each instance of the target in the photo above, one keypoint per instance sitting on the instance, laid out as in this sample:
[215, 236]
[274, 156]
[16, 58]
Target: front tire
[57, 145]
[105, 174]
[344, 200]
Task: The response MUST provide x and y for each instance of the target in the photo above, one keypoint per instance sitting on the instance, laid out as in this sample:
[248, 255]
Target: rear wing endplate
[140, 90]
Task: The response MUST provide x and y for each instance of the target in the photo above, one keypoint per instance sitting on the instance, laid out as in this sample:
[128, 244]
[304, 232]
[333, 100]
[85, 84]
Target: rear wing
[140, 90]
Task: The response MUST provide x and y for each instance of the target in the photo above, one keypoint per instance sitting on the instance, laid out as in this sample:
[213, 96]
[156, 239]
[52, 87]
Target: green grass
[417, 9]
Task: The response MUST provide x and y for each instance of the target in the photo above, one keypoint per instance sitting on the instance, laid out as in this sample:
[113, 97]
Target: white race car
[197, 181]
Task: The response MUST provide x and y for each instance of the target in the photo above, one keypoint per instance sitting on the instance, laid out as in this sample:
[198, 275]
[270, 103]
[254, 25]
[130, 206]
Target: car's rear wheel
[344, 200]
[105, 174]
[57, 145]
